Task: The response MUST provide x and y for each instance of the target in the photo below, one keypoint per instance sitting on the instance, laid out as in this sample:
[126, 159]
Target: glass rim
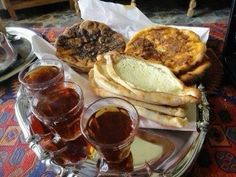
[113, 145]
[49, 82]
[81, 101]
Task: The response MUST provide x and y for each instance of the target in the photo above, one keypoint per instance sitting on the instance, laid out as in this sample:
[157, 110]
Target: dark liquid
[42, 74]
[46, 136]
[108, 126]
[59, 109]
[38, 127]
[75, 151]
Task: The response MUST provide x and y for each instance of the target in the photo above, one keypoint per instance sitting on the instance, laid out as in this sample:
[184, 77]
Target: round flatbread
[178, 49]
[190, 77]
[80, 44]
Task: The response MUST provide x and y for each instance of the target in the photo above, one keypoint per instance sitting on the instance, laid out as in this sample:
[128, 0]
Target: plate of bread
[159, 71]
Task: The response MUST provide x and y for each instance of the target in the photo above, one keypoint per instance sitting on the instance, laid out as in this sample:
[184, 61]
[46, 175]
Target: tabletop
[218, 154]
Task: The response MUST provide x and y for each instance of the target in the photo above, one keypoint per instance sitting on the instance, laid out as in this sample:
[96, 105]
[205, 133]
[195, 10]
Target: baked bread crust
[190, 77]
[168, 116]
[178, 49]
[103, 80]
[80, 44]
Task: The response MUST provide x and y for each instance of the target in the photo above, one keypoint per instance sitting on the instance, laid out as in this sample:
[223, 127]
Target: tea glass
[60, 109]
[43, 135]
[41, 75]
[116, 152]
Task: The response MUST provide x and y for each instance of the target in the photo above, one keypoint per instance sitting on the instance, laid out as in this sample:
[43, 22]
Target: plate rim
[27, 34]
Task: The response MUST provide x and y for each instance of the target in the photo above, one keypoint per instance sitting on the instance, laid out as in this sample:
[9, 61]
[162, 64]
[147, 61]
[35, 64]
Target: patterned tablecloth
[217, 157]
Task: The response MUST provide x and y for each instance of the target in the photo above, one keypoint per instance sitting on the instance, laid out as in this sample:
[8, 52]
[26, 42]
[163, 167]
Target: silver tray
[23, 47]
[179, 148]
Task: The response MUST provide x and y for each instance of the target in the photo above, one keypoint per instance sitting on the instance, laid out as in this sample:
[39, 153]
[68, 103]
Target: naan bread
[80, 44]
[162, 119]
[168, 110]
[178, 49]
[181, 96]
[167, 116]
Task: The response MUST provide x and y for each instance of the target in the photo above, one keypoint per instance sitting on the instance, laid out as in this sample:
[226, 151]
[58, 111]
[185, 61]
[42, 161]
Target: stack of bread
[151, 71]
[152, 88]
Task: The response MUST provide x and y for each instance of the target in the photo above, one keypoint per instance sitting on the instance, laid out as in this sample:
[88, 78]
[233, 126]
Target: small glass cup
[110, 125]
[41, 75]
[44, 137]
[60, 109]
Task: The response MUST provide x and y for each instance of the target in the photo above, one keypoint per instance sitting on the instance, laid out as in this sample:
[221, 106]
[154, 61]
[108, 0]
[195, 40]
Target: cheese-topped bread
[178, 49]
[80, 44]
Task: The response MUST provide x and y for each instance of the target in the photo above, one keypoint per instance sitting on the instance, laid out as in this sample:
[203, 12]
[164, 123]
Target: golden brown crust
[80, 44]
[104, 81]
[196, 73]
[178, 49]
[154, 115]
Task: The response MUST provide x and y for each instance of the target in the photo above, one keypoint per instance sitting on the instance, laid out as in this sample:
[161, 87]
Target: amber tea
[60, 109]
[110, 125]
[46, 140]
[114, 120]
[41, 75]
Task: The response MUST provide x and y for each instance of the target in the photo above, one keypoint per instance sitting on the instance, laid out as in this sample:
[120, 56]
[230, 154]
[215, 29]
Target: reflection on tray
[148, 151]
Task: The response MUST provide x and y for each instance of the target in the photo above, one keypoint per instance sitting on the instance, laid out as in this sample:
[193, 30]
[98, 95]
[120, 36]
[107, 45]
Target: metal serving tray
[171, 155]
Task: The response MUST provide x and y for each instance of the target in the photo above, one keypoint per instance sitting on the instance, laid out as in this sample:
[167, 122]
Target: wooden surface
[13, 5]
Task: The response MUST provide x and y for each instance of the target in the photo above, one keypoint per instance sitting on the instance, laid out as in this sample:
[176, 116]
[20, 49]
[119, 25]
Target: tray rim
[175, 170]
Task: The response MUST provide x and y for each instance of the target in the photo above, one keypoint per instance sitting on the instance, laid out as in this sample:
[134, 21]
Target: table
[217, 157]
[13, 5]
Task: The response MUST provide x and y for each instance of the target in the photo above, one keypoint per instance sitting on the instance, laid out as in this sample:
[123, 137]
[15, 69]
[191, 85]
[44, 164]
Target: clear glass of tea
[41, 75]
[110, 125]
[44, 137]
[60, 109]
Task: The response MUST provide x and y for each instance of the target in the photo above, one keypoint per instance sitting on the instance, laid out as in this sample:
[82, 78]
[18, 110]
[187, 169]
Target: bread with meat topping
[80, 44]
[178, 49]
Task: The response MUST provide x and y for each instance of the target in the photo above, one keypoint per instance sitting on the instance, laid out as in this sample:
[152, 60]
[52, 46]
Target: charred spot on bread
[80, 44]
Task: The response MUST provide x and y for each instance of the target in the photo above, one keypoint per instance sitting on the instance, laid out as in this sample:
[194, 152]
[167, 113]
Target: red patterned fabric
[217, 157]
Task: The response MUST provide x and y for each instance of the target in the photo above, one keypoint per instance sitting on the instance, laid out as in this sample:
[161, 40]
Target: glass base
[109, 169]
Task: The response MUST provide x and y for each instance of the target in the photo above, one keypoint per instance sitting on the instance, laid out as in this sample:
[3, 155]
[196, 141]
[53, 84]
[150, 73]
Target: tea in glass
[60, 109]
[44, 136]
[41, 75]
[110, 125]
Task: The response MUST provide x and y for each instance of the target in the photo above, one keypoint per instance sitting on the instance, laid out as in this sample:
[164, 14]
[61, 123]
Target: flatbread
[104, 81]
[162, 119]
[178, 49]
[168, 110]
[190, 77]
[155, 115]
[80, 44]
